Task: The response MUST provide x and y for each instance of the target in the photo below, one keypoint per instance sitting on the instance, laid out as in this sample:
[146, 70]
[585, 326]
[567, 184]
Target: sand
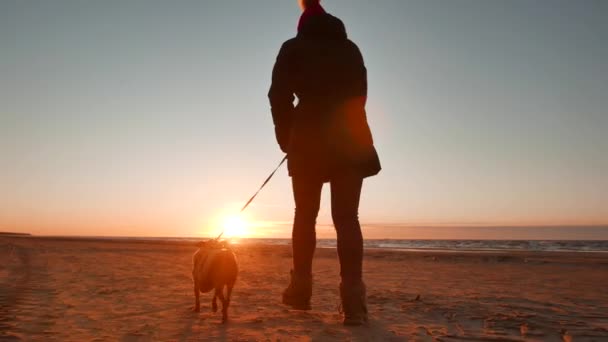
[92, 290]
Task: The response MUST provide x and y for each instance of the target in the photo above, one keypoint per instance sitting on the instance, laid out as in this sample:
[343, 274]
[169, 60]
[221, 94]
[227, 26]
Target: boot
[354, 303]
[298, 293]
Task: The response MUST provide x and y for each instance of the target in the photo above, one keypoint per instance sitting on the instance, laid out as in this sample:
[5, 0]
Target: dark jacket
[326, 134]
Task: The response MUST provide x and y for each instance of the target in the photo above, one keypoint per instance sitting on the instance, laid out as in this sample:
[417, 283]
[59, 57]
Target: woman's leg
[307, 195]
[345, 195]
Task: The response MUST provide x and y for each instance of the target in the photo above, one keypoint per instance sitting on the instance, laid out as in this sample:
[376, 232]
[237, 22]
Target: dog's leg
[228, 294]
[214, 302]
[220, 294]
[197, 303]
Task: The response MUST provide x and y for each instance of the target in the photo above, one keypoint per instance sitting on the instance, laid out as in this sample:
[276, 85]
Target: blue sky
[151, 117]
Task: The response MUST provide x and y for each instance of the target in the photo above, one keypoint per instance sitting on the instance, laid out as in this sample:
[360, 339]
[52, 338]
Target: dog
[214, 267]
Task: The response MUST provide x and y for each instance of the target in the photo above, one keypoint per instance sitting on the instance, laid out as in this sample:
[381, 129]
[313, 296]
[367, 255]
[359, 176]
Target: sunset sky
[150, 118]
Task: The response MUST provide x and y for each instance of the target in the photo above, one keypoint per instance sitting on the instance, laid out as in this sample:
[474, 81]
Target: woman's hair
[304, 4]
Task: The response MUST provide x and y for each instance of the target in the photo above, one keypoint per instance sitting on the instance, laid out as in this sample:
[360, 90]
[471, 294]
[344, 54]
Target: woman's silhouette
[327, 139]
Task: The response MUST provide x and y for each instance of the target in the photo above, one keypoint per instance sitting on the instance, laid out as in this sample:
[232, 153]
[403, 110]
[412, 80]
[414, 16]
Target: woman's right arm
[281, 96]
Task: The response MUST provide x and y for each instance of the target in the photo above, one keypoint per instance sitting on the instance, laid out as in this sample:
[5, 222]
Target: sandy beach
[55, 289]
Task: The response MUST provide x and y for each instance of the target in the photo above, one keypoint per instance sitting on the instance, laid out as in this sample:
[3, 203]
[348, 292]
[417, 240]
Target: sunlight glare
[235, 226]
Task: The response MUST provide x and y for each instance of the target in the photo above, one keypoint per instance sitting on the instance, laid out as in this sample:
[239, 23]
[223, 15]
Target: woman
[327, 139]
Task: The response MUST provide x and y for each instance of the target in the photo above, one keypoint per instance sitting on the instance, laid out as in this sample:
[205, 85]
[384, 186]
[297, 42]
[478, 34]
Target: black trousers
[345, 195]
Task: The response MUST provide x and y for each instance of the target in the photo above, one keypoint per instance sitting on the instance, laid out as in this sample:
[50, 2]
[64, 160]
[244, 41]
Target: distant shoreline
[14, 234]
[403, 245]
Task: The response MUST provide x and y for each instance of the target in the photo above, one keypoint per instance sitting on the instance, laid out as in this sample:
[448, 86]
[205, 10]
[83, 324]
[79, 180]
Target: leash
[263, 184]
[257, 192]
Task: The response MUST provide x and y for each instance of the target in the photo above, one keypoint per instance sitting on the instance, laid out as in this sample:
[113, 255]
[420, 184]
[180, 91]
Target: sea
[545, 239]
[420, 244]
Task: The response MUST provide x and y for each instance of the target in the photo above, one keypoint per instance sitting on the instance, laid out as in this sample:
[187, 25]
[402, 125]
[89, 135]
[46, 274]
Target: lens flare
[235, 226]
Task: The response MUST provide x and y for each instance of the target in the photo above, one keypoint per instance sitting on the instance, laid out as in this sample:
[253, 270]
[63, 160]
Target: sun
[235, 226]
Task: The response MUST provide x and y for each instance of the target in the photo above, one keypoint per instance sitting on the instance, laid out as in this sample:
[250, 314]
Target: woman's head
[304, 4]
[310, 8]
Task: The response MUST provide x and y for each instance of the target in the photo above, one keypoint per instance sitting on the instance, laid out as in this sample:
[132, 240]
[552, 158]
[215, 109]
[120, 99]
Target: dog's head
[212, 244]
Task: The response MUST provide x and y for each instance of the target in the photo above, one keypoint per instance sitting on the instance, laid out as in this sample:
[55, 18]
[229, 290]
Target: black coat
[326, 134]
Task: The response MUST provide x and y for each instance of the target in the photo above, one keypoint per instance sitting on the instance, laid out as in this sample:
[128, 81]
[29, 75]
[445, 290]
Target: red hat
[312, 8]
